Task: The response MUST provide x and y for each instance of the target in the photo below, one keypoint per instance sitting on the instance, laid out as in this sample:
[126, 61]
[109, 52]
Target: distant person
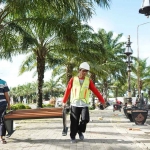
[79, 87]
[4, 102]
[125, 104]
[118, 103]
[52, 101]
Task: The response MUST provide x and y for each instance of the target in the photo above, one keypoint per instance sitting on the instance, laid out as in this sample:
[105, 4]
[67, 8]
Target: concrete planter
[139, 116]
[129, 114]
[125, 111]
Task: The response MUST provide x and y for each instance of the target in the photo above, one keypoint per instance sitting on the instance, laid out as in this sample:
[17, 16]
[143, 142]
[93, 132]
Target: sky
[122, 17]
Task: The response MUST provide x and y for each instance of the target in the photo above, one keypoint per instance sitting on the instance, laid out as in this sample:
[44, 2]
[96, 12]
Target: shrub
[13, 107]
[28, 107]
[47, 105]
[19, 106]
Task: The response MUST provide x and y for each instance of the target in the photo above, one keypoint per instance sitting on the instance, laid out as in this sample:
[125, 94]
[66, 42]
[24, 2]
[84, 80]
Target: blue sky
[122, 17]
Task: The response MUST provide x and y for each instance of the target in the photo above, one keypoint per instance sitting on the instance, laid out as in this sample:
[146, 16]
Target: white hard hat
[84, 65]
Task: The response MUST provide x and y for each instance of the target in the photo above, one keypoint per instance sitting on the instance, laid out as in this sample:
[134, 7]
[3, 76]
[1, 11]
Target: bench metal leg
[9, 126]
[65, 128]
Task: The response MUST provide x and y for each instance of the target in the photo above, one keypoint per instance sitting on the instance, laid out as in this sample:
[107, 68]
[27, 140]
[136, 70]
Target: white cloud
[98, 23]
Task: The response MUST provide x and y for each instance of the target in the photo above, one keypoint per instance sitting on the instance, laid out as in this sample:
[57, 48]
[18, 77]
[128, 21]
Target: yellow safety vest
[80, 92]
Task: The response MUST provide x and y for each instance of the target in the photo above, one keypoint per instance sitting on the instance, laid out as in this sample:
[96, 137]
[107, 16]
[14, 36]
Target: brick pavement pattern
[107, 130]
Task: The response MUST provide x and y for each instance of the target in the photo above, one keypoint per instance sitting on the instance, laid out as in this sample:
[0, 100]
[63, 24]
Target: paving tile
[109, 133]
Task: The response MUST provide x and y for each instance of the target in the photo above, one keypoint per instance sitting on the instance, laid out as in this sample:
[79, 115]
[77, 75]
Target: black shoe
[73, 140]
[81, 136]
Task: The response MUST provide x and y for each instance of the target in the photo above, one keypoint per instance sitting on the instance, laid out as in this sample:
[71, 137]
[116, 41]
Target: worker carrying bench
[39, 113]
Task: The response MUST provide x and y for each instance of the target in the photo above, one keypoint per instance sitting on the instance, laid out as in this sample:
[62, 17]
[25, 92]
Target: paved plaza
[107, 130]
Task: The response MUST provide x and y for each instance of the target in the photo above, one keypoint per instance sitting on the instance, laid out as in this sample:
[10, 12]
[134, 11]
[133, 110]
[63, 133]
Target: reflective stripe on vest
[80, 92]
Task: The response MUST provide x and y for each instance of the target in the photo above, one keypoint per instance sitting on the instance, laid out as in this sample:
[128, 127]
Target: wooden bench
[40, 113]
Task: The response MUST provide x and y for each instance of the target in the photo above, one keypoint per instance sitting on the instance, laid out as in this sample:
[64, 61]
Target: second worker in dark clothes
[79, 87]
[4, 103]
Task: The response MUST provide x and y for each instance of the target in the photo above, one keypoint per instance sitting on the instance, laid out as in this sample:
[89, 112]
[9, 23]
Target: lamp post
[138, 69]
[128, 53]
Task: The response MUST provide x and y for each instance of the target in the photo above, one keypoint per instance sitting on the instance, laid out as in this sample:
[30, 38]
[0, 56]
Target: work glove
[63, 105]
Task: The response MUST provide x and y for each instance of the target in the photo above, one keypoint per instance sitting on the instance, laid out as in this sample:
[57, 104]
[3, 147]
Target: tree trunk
[134, 92]
[105, 89]
[21, 99]
[149, 94]
[40, 70]
[69, 70]
[141, 86]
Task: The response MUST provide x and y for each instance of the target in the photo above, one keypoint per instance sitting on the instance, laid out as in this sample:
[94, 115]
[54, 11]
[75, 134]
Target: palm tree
[82, 9]
[108, 60]
[8, 39]
[27, 91]
[54, 85]
[43, 40]
[43, 23]
[144, 72]
[10, 13]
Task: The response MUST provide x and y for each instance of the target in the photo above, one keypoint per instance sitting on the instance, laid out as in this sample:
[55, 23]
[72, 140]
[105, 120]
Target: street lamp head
[129, 69]
[145, 9]
[128, 50]
[128, 60]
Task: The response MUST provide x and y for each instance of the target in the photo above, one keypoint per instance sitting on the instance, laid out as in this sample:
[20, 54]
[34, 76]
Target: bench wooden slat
[38, 110]
[34, 113]
[41, 109]
[26, 114]
[32, 117]
[29, 116]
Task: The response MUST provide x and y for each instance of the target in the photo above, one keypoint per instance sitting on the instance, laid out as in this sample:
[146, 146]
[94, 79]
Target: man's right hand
[63, 105]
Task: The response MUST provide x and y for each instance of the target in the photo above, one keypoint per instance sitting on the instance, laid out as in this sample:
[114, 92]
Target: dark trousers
[76, 114]
[2, 125]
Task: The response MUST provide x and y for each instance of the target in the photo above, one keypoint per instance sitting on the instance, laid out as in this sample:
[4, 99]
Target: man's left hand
[104, 105]
[8, 107]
